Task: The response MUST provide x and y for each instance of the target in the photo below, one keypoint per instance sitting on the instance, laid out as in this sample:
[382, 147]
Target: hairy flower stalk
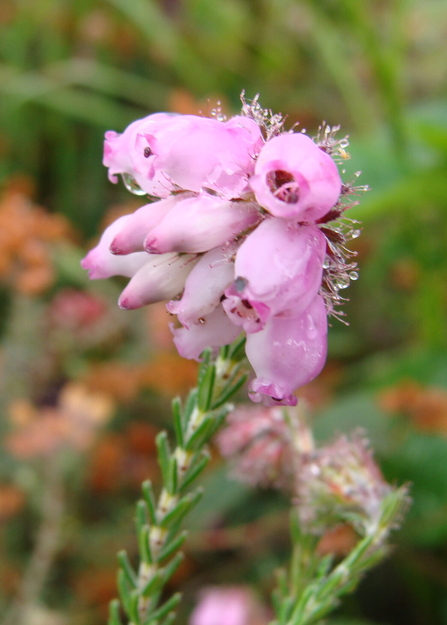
[244, 236]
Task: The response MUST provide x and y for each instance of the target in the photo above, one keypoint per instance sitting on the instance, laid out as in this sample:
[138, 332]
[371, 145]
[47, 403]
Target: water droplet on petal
[353, 275]
[202, 321]
[355, 234]
[311, 328]
[342, 282]
[240, 284]
[131, 185]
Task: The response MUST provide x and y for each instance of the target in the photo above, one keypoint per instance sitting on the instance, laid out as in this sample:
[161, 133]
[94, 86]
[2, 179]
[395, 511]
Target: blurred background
[85, 387]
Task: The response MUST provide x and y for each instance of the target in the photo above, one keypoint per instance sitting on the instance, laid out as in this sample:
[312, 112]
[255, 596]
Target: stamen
[283, 186]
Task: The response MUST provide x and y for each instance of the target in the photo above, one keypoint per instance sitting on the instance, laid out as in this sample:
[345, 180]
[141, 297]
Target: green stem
[47, 544]
[159, 520]
[315, 586]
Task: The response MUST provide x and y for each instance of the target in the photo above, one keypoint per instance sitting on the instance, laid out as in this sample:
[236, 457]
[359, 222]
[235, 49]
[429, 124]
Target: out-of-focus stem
[46, 546]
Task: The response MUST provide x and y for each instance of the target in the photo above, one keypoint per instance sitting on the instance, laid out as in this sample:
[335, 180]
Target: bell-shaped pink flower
[287, 353]
[204, 286]
[213, 330]
[200, 223]
[119, 150]
[133, 233]
[294, 178]
[198, 153]
[101, 263]
[278, 271]
[161, 278]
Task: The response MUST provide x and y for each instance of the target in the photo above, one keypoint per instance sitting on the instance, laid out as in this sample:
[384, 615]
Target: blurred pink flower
[258, 443]
[341, 482]
[230, 605]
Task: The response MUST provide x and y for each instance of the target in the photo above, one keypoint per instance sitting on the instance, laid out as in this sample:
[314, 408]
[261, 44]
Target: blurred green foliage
[70, 71]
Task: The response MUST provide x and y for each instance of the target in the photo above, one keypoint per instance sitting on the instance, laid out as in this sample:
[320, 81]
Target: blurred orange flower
[11, 501]
[26, 234]
[73, 423]
[167, 373]
[426, 406]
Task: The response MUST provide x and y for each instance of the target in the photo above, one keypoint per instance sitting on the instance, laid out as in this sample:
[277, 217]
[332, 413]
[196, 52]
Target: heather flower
[279, 270]
[165, 152]
[287, 353]
[294, 178]
[197, 152]
[118, 152]
[238, 238]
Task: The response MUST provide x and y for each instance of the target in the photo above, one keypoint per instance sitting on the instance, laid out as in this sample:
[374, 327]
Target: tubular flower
[243, 232]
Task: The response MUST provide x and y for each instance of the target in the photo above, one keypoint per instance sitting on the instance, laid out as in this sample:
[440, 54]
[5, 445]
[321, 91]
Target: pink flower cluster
[236, 237]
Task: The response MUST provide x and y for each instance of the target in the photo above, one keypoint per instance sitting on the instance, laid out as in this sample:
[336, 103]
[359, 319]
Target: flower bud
[161, 278]
[200, 223]
[101, 263]
[204, 286]
[341, 482]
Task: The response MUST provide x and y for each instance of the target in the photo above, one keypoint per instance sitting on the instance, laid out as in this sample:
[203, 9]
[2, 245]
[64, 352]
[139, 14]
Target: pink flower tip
[270, 394]
[150, 246]
[125, 303]
[115, 248]
[88, 263]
